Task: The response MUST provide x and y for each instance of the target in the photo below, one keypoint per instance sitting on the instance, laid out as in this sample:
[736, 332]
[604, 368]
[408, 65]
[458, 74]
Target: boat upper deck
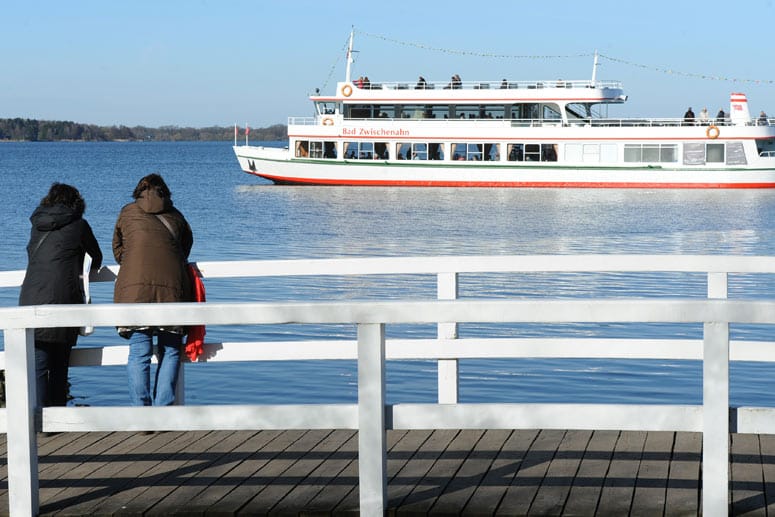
[473, 91]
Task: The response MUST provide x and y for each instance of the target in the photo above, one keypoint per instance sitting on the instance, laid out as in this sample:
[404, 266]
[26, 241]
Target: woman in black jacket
[58, 241]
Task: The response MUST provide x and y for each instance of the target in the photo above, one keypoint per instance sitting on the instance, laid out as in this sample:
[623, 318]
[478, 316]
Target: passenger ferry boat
[507, 133]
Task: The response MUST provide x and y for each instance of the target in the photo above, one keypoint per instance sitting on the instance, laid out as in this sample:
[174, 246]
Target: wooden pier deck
[441, 472]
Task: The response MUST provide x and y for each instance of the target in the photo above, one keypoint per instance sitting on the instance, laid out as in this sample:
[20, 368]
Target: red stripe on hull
[511, 184]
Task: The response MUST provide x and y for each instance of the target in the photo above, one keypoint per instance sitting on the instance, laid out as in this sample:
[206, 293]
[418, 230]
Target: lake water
[236, 216]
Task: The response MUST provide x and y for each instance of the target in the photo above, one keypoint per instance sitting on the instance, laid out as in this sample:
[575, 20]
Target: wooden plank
[344, 493]
[746, 474]
[212, 464]
[332, 455]
[103, 477]
[519, 496]
[683, 484]
[416, 471]
[69, 456]
[400, 474]
[767, 450]
[299, 467]
[462, 486]
[619, 485]
[443, 472]
[164, 476]
[555, 487]
[246, 479]
[585, 491]
[487, 496]
[147, 469]
[232, 470]
[651, 484]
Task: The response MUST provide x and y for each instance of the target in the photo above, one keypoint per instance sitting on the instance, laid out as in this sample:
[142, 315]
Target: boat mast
[594, 69]
[349, 57]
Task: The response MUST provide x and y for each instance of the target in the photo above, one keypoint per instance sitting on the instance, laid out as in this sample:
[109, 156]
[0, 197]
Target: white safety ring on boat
[328, 121]
[347, 90]
[712, 132]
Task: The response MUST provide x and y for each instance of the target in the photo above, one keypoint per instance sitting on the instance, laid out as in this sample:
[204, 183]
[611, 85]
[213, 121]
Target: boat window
[492, 152]
[359, 150]
[532, 152]
[302, 148]
[481, 111]
[359, 111]
[314, 149]
[419, 151]
[326, 108]
[714, 153]
[380, 150]
[386, 111]
[577, 111]
[476, 151]
[525, 111]
[551, 112]
[516, 152]
[548, 152]
[766, 147]
[609, 153]
[656, 153]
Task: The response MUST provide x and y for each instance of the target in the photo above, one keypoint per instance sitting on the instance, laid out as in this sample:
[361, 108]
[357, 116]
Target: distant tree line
[30, 130]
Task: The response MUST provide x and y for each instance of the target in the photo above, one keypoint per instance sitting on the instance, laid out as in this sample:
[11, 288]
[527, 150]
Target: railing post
[372, 439]
[20, 413]
[448, 378]
[717, 285]
[715, 400]
[715, 427]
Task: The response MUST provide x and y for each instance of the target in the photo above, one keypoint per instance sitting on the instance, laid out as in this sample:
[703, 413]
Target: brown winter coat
[153, 261]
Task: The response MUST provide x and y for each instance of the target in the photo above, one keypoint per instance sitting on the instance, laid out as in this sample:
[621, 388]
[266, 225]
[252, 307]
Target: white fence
[371, 416]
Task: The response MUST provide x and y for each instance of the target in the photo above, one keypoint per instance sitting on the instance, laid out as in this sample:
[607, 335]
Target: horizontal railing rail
[371, 416]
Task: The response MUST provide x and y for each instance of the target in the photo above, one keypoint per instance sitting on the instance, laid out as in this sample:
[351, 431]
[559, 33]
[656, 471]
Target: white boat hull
[278, 166]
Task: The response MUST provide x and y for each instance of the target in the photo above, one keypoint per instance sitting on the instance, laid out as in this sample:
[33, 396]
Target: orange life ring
[328, 121]
[347, 90]
[712, 132]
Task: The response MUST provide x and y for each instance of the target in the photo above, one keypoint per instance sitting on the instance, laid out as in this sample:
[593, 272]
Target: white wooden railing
[371, 416]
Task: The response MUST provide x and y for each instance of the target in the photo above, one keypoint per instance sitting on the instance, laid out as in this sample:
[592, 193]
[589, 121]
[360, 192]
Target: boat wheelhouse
[509, 133]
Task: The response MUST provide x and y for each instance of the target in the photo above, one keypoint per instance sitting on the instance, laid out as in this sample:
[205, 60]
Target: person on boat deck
[763, 119]
[689, 117]
[720, 117]
[59, 238]
[151, 242]
[421, 84]
[504, 84]
[704, 116]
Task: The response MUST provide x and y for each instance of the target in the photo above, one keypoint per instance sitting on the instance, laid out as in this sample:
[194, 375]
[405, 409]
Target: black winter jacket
[55, 265]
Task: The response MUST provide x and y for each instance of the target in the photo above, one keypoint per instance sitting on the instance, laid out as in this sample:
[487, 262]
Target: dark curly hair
[67, 195]
[152, 181]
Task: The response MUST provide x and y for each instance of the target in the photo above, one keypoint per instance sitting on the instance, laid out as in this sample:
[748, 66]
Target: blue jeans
[139, 368]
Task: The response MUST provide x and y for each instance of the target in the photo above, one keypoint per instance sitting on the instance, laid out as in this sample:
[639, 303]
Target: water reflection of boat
[511, 134]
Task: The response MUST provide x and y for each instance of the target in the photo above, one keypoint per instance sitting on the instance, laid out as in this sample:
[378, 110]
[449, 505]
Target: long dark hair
[152, 181]
[67, 195]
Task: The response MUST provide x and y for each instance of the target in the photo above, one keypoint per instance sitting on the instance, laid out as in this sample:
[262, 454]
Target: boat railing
[711, 308]
[503, 84]
[595, 121]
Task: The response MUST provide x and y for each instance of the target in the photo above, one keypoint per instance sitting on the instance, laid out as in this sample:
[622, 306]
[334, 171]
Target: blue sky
[206, 62]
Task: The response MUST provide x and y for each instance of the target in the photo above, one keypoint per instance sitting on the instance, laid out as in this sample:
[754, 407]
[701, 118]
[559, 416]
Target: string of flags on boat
[664, 70]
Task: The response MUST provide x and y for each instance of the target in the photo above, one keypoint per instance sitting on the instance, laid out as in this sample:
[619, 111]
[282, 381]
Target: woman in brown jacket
[151, 243]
